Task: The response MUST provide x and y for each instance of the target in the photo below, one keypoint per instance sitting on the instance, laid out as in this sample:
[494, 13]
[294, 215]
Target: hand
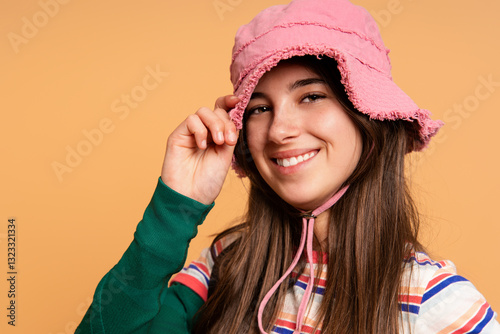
[199, 152]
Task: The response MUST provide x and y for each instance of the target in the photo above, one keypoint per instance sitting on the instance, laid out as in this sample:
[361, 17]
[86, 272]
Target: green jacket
[133, 297]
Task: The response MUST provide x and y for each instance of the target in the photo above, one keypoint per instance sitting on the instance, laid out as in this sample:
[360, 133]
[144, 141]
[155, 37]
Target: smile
[288, 162]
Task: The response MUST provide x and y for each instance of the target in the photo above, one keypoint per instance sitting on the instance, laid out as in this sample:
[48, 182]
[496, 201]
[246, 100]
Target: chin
[306, 198]
[303, 203]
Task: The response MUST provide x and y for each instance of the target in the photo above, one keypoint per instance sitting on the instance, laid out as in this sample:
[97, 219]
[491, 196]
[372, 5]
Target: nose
[285, 124]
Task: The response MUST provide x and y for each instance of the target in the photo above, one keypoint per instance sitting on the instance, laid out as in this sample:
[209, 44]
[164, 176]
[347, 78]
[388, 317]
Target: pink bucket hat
[332, 28]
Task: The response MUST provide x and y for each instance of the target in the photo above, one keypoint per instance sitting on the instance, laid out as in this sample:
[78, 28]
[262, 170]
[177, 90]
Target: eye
[309, 98]
[258, 110]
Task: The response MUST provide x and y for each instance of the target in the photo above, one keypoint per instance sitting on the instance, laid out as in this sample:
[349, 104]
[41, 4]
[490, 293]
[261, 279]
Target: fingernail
[203, 144]
[232, 137]
[220, 136]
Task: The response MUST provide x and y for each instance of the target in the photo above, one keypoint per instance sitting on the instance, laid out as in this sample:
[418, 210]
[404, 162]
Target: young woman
[329, 240]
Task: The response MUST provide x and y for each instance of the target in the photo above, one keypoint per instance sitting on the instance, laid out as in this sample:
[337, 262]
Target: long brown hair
[371, 228]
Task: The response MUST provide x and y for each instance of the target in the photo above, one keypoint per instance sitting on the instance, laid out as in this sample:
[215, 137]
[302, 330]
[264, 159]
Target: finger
[214, 123]
[195, 127]
[226, 102]
[230, 132]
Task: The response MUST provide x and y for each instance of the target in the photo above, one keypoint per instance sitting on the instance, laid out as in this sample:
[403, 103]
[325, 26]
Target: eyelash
[312, 96]
[255, 110]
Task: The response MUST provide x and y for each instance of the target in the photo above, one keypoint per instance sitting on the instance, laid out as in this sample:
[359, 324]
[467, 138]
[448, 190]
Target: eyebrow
[295, 85]
[305, 82]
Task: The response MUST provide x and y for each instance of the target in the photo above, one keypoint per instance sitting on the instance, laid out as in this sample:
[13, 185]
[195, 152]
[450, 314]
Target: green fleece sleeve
[128, 299]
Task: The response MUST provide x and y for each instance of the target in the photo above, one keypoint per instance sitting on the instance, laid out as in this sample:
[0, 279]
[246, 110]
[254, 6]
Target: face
[303, 143]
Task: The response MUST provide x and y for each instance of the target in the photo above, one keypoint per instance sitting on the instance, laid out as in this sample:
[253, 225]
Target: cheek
[356, 152]
[355, 147]
[344, 136]
[256, 137]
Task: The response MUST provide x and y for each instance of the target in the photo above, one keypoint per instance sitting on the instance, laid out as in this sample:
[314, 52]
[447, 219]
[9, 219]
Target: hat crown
[340, 15]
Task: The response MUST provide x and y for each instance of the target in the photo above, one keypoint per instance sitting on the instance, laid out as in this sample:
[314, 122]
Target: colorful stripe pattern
[433, 299]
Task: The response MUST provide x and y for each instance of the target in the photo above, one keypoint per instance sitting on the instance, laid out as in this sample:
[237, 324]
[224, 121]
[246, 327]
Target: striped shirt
[434, 299]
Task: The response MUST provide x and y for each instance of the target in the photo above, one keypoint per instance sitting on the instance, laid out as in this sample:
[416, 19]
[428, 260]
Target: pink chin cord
[307, 232]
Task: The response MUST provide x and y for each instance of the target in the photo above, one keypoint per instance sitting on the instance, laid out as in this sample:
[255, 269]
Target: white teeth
[294, 160]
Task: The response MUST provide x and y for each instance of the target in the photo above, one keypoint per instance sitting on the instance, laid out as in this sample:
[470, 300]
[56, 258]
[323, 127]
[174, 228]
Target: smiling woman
[302, 141]
[329, 241]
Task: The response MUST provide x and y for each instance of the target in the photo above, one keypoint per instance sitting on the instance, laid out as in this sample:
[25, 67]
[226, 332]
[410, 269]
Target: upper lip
[292, 153]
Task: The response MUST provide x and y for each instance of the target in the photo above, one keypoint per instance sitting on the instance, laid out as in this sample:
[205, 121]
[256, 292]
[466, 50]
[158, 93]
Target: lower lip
[294, 169]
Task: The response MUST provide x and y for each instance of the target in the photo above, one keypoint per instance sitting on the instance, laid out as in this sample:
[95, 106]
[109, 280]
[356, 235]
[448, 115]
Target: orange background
[65, 67]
